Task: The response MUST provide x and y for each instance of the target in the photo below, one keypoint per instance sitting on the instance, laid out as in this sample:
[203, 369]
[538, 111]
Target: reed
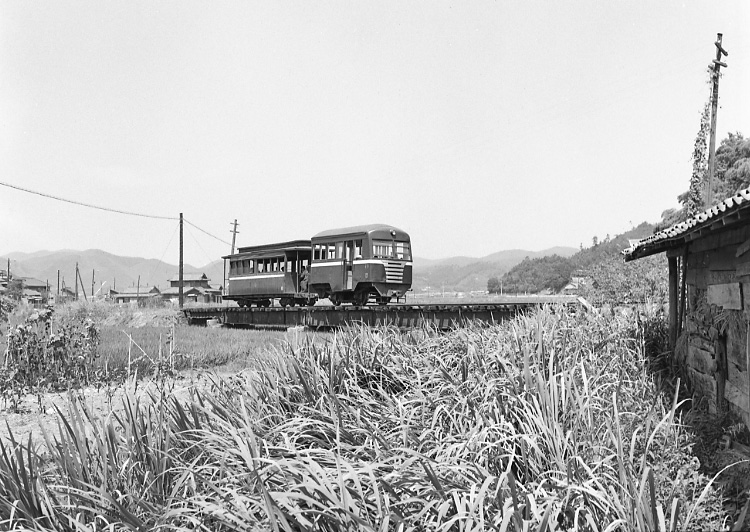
[552, 421]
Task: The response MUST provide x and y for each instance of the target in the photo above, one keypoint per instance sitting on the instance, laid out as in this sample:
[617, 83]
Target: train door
[348, 264]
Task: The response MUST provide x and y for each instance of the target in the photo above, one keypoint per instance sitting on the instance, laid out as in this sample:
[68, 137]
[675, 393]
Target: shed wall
[713, 345]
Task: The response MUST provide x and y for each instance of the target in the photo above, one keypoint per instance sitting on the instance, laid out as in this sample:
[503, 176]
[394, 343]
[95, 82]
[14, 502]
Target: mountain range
[106, 270]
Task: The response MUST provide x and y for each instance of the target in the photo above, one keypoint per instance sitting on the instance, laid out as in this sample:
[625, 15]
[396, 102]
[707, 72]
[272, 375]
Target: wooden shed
[709, 300]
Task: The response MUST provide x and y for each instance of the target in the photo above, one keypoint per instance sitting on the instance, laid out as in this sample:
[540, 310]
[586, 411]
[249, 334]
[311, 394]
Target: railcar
[260, 274]
[357, 264]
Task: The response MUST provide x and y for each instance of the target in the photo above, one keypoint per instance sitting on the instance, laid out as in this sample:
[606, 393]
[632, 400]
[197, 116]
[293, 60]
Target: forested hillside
[553, 273]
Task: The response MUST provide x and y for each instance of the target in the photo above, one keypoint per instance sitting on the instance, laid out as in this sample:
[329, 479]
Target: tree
[494, 286]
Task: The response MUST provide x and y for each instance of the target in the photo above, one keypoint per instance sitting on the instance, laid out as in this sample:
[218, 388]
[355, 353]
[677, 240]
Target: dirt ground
[30, 419]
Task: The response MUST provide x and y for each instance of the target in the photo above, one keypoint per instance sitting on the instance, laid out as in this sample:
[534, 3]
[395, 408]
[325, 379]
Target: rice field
[553, 421]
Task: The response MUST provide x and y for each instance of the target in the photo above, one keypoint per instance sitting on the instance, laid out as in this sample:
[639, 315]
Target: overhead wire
[108, 209]
[83, 204]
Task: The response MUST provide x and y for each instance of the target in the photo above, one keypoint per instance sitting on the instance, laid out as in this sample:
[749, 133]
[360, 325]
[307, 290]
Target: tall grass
[550, 421]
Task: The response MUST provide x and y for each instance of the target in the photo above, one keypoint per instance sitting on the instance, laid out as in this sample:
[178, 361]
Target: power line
[206, 232]
[108, 209]
[87, 204]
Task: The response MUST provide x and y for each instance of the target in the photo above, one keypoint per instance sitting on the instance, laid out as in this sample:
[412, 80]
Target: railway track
[405, 315]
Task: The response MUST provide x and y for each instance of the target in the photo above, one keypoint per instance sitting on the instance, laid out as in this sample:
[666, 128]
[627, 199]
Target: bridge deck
[442, 316]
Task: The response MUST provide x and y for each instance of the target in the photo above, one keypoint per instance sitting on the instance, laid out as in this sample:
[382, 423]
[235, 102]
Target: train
[358, 265]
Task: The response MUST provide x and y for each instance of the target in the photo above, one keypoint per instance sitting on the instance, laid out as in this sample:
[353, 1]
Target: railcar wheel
[285, 302]
[264, 303]
[361, 298]
[335, 299]
[384, 300]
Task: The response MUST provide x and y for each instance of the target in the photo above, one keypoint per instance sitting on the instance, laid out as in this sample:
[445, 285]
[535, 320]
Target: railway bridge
[404, 315]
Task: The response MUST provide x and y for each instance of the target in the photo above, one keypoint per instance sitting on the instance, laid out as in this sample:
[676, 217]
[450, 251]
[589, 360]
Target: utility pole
[58, 283]
[234, 237]
[92, 284]
[714, 108]
[179, 290]
[76, 281]
[234, 234]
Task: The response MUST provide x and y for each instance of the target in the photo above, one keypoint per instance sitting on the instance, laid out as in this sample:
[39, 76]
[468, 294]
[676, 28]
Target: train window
[339, 250]
[316, 252]
[232, 267]
[250, 266]
[331, 251]
[357, 249]
[261, 266]
[382, 249]
[403, 251]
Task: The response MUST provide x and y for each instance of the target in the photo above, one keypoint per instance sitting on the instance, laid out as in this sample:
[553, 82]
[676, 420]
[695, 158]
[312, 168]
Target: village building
[709, 300]
[135, 295]
[196, 288]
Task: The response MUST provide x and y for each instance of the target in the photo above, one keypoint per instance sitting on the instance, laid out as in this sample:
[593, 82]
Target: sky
[474, 126]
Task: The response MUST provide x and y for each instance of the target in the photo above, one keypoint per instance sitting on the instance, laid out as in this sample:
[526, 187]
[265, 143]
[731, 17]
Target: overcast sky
[474, 126]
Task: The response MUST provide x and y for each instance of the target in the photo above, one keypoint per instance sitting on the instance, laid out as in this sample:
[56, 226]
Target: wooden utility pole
[76, 281]
[58, 283]
[92, 283]
[234, 234]
[714, 108]
[179, 290]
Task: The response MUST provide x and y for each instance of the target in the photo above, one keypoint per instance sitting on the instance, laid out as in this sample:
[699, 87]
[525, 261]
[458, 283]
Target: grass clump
[550, 421]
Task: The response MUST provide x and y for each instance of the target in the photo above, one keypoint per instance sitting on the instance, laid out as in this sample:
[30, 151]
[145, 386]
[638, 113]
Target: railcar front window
[403, 251]
[331, 251]
[357, 249]
[382, 249]
[316, 252]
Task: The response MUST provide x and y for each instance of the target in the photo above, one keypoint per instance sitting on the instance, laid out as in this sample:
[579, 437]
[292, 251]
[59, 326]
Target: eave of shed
[728, 212]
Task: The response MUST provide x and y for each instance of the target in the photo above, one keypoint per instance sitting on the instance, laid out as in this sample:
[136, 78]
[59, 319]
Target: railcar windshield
[385, 249]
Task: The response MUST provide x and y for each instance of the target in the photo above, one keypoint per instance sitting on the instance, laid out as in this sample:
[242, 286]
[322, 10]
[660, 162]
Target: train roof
[268, 249]
[375, 229]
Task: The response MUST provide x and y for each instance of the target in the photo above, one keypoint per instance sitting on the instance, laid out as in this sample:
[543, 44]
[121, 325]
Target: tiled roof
[190, 277]
[717, 217]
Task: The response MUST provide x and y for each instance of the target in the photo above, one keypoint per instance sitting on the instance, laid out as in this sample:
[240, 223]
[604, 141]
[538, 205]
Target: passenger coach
[260, 274]
[354, 264]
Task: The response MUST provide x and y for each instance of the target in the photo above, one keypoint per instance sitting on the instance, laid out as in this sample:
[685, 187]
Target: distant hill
[466, 274]
[108, 269]
[462, 274]
[553, 273]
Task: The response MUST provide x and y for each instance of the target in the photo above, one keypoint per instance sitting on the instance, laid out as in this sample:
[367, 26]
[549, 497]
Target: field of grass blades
[553, 421]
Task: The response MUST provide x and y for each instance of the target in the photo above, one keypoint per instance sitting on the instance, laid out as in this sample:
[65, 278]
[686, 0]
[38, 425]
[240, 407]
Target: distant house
[577, 280]
[32, 297]
[196, 288]
[135, 295]
[36, 285]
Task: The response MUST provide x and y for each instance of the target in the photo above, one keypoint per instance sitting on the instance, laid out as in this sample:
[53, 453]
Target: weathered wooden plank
[742, 248]
[703, 386]
[721, 239]
[698, 260]
[701, 278]
[727, 296]
[701, 343]
[742, 269]
[721, 277]
[701, 360]
[676, 252]
[737, 394]
[722, 259]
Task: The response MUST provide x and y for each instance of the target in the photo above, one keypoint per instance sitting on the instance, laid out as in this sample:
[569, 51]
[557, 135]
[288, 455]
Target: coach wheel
[285, 302]
[335, 299]
[264, 303]
[361, 298]
[384, 300]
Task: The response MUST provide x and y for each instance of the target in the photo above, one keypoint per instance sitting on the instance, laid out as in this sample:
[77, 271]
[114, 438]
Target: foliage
[549, 421]
[14, 290]
[38, 359]
[732, 174]
[694, 202]
[616, 282]
[552, 272]
[6, 307]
